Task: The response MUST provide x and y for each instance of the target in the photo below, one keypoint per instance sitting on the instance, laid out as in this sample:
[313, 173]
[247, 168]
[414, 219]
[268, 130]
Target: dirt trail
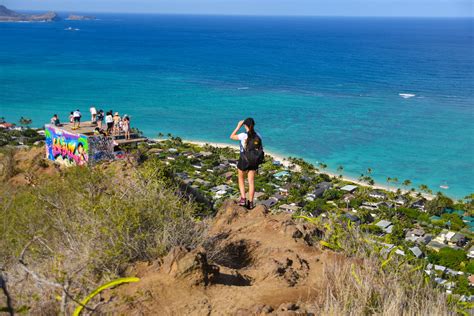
[252, 263]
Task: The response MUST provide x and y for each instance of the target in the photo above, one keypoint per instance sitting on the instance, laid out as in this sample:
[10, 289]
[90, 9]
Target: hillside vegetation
[64, 232]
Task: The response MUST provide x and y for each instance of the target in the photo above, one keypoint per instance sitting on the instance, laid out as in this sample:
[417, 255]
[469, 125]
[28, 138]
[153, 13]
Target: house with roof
[222, 187]
[276, 163]
[414, 235]
[401, 200]
[321, 188]
[270, 202]
[385, 225]
[470, 252]
[419, 204]
[435, 245]
[290, 208]
[416, 252]
[370, 205]
[197, 165]
[377, 194]
[349, 188]
[206, 154]
[353, 218]
[458, 240]
[281, 175]
[6, 125]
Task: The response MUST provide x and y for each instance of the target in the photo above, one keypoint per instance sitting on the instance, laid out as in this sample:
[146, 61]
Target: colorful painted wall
[66, 148]
[76, 149]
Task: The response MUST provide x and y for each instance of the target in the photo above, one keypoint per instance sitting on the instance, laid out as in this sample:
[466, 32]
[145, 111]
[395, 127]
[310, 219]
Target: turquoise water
[324, 89]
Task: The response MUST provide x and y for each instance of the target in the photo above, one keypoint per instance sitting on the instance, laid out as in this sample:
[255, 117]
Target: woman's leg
[242, 183]
[251, 177]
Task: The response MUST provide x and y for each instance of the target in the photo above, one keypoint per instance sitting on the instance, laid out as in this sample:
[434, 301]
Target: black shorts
[110, 125]
[244, 165]
[77, 119]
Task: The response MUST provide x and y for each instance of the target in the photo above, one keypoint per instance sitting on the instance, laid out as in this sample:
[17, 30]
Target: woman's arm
[234, 133]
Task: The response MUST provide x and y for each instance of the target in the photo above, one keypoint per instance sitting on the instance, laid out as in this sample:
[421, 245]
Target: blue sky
[451, 8]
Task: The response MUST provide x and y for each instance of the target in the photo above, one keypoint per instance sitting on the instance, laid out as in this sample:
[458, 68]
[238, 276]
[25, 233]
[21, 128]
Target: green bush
[88, 225]
[452, 258]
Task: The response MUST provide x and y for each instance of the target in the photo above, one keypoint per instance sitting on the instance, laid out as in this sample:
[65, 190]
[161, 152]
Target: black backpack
[253, 153]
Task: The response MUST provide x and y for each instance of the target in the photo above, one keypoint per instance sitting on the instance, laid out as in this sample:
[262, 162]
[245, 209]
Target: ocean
[392, 94]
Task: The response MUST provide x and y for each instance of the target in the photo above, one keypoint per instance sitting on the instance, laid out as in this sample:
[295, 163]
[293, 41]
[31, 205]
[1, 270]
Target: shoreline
[284, 161]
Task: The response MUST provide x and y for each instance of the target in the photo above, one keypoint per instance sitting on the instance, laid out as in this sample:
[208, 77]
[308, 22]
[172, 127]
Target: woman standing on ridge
[251, 156]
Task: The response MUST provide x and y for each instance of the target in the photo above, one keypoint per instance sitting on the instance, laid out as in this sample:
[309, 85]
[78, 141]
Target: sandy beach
[285, 162]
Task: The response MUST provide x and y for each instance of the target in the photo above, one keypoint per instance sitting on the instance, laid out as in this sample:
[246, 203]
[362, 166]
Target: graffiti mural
[66, 148]
[101, 148]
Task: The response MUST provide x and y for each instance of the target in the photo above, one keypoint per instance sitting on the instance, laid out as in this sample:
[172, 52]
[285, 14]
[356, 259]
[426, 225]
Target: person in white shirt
[93, 111]
[77, 119]
[109, 121]
[251, 156]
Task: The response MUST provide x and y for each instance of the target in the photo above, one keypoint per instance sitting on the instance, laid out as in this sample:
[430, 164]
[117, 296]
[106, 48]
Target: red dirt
[252, 263]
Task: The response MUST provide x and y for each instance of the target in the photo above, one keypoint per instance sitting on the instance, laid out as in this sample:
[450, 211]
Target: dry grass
[366, 283]
[79, 229]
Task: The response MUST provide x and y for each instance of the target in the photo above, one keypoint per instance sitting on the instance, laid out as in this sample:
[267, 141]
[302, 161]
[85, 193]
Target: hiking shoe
[250, 205]
[243, 202]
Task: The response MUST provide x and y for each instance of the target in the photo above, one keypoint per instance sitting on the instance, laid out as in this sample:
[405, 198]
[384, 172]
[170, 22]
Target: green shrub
[87, 225]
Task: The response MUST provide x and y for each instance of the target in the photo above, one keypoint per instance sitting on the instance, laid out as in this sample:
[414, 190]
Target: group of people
[115, 125]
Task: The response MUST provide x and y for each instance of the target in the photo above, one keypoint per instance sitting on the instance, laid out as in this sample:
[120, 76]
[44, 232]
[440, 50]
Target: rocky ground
[252, 263]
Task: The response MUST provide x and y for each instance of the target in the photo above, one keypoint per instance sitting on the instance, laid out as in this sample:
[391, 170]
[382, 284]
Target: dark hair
[251, 134]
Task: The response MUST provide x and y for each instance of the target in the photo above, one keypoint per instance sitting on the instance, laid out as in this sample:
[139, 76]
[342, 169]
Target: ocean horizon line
[427, 17]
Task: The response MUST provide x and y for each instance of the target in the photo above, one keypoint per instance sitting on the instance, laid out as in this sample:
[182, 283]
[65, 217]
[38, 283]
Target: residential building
[377, 194]
[470, 252]
[385, 225]
[321, 188]
[290, 208]
[349, 188]
[416, 252]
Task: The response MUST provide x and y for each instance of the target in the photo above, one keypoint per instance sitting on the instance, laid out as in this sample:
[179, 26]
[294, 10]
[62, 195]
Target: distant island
[73, 17]
[7, 15]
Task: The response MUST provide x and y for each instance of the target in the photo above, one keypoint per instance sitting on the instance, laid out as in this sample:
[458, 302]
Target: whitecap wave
[407, 95]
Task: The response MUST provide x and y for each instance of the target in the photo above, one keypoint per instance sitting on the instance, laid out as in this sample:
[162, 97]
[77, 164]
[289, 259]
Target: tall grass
[364, 281]
[85, 226]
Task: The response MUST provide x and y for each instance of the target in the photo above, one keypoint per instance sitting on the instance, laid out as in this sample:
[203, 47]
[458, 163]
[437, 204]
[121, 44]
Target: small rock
[288, 307]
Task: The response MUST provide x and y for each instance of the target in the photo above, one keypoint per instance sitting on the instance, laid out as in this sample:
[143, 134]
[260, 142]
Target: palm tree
[2, 120]
[388, 182]
[406, 183]
[322, 165]
[340, 169]
[25, 121]
[369, 170]
[160, 135]
[425, 188]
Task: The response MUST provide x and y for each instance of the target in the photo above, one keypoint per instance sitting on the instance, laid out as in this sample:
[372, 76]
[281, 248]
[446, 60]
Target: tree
[2, 120]
[388, 182]
[437, 205]
[424, 188]
[448, 257]
[406, 183]
[24, 121]
[340, 169]
[322, 165]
